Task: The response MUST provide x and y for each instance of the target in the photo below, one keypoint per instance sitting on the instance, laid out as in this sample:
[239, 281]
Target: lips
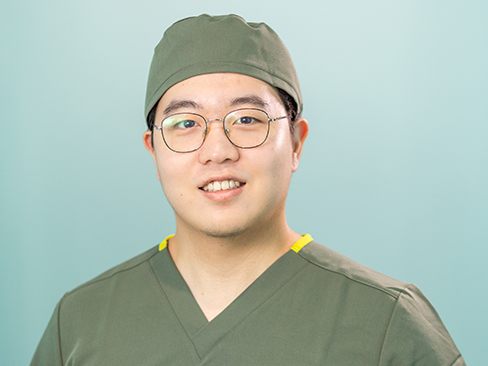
[216, 184]
[223, 185]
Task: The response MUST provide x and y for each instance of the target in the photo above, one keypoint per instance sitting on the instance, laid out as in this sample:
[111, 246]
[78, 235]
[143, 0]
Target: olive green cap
[226, 43]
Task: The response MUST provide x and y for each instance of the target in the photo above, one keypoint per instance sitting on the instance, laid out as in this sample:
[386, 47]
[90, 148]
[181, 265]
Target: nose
[217, 148]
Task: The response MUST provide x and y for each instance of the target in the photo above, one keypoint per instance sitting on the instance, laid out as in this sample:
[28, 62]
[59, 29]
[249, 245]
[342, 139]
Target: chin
[224, 232]
[221, 225]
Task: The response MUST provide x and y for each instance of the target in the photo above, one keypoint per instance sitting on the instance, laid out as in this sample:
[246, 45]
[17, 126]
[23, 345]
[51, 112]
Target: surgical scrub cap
[227, 43]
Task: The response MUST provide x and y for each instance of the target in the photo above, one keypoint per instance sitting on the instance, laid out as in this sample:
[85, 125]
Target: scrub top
[312, 306]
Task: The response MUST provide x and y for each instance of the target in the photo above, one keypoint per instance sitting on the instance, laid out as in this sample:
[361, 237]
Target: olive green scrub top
[310, 307]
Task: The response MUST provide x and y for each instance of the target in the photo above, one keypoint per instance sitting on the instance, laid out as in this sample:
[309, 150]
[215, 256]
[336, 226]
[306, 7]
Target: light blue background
[394, 173]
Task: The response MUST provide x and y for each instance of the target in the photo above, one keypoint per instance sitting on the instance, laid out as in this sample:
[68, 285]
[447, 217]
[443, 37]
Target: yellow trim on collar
[296, 247]
[164, 243]
[300, 243]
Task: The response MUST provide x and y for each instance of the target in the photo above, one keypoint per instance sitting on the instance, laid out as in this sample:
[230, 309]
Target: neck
[218, 269]
[200, 254]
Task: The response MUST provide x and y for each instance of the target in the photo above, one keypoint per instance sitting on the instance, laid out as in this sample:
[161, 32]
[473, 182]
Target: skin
[222, 244]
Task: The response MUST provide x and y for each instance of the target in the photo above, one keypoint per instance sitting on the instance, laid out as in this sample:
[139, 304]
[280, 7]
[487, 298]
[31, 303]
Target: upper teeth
[221, 185]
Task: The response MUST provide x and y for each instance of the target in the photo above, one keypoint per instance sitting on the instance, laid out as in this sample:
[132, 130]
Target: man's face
[263, 172]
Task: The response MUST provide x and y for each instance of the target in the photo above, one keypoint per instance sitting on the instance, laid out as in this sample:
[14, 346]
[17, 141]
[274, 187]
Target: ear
[300, 134]
[146, 138]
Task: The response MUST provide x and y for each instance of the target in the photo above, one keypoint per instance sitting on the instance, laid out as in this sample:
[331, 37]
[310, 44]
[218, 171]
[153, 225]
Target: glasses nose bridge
[209, 121]
[214, 120]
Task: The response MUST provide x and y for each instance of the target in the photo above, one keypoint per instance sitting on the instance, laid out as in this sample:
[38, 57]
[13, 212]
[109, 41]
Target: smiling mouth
[222, 185]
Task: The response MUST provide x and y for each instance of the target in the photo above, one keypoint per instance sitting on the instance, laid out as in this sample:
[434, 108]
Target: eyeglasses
[245, 128]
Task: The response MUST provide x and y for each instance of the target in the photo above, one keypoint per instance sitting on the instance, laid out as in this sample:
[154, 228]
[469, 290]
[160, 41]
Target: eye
[186, 124]
[246, 120]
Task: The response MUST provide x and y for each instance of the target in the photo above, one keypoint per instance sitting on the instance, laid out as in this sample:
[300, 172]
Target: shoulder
[84, 308]
[410, 326]
[416, 331]
[125, 269]
[340, 266]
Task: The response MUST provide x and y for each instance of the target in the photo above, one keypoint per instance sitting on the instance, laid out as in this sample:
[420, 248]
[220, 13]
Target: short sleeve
[48, 350]
[416, 335]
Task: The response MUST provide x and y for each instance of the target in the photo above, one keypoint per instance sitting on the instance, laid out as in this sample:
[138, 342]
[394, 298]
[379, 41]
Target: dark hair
[287, 100]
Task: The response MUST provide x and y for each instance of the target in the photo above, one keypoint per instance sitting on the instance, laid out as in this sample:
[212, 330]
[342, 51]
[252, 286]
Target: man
[235, 285]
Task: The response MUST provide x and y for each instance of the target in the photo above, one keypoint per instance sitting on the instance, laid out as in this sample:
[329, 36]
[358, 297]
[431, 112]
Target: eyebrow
[249, 99]
[178, 104]
[186, 103]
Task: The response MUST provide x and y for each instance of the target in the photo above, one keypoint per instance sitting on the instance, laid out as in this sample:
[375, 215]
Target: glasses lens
[183, 132]
[247, 127]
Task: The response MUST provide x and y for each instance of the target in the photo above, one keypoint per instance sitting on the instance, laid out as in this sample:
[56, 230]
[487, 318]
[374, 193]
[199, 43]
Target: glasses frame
[226, 131]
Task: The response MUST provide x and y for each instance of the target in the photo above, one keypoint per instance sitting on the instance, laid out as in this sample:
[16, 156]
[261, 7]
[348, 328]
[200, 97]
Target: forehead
[219, 89]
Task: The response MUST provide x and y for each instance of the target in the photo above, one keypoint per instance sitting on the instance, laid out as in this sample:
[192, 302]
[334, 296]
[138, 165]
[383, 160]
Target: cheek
[282, 151]
[172, 177]
[275, 159]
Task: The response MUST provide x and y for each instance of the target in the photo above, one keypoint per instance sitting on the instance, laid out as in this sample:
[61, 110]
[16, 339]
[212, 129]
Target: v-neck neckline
[204, 334]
